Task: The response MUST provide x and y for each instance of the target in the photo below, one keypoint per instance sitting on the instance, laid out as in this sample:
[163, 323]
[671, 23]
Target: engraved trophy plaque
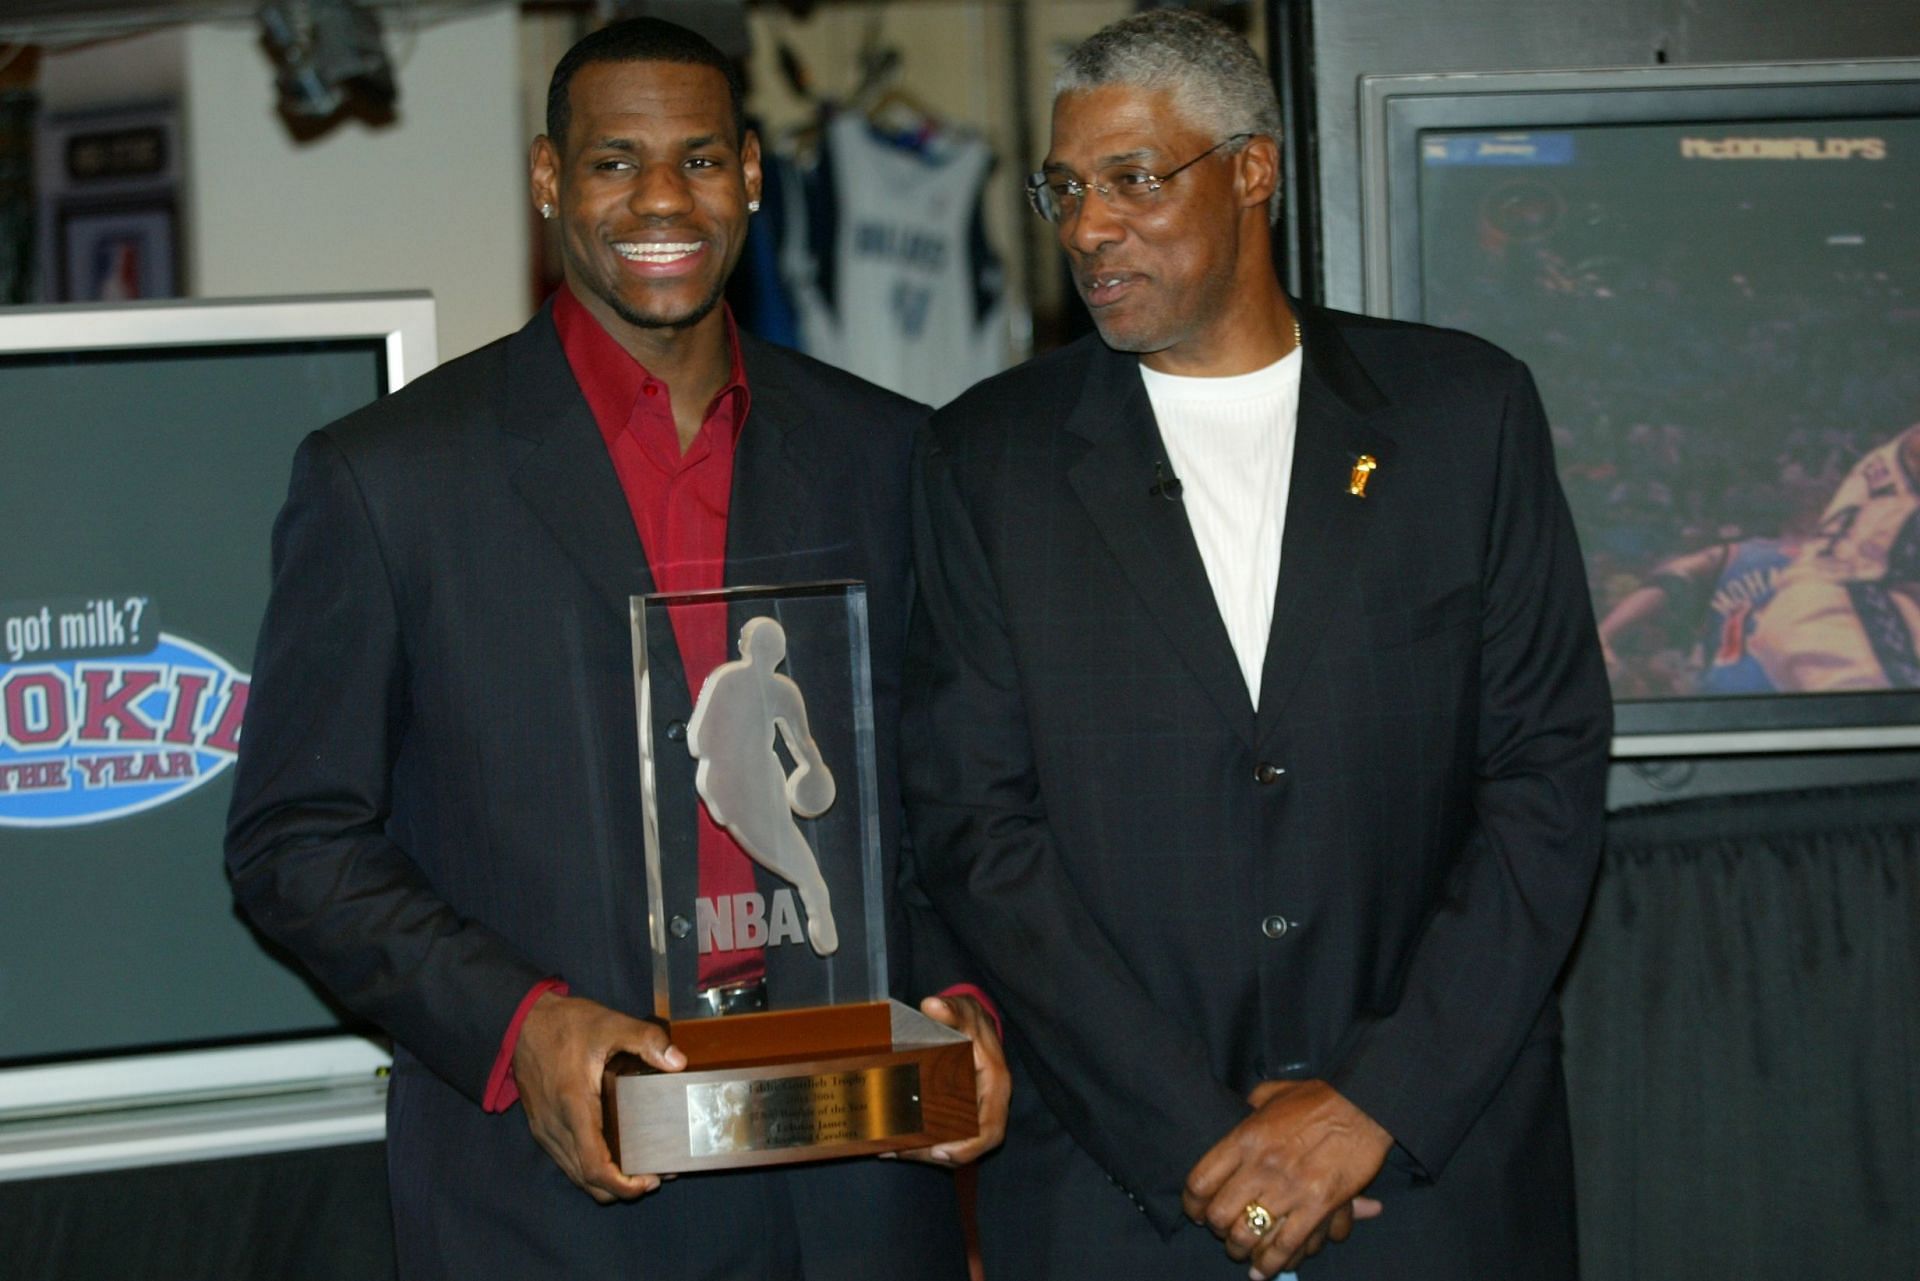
[765, 901]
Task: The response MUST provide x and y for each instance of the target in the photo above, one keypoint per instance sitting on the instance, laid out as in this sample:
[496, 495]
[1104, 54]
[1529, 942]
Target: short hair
[1211, 73]
[640, 40]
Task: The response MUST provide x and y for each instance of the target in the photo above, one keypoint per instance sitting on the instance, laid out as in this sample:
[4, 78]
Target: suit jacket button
[680, 927]
[676, 730]
[1275, 926]
[1267, 772]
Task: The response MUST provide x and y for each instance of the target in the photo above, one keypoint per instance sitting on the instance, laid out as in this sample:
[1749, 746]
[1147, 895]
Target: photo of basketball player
[1845, 614]
[1722, 348]
[1712, 598]
[1831, 609]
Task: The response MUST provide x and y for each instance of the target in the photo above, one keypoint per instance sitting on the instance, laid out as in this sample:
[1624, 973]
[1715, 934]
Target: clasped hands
[566, 1042]
[1302, 1156]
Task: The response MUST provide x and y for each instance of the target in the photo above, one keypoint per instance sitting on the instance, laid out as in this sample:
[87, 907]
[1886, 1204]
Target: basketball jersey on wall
[894, 280]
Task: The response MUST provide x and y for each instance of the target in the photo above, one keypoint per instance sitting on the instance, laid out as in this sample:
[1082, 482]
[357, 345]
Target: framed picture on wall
[118, 251]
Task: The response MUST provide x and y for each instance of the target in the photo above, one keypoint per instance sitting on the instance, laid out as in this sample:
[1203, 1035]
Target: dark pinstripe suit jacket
[1371, 878]
[437, 800]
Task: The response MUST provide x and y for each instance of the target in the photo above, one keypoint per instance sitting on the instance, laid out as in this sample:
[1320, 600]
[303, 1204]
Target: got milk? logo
[102, 714]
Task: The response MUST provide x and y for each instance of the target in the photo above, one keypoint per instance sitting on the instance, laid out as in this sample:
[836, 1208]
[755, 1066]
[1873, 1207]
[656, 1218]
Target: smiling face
[652, 184]
[1161, 276]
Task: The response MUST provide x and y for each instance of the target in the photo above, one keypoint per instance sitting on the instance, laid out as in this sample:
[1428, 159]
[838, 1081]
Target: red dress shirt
[679, 503]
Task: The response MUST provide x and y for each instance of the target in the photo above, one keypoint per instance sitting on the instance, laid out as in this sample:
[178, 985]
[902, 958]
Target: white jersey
[900, 287]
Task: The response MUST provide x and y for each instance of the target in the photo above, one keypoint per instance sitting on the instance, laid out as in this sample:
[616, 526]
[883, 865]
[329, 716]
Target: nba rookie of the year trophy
[765, 905]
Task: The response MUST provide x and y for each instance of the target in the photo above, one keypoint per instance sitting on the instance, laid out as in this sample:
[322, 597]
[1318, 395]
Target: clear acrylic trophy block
[766, 906]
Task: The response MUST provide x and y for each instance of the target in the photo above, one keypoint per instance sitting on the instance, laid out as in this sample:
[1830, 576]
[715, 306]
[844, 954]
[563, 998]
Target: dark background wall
[1352, 38]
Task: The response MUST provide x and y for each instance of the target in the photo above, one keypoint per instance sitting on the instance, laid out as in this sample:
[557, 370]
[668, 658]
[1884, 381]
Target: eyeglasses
[1055, 197]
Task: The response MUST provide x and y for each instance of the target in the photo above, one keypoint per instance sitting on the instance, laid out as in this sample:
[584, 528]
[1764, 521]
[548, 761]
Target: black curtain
[1743, 1041]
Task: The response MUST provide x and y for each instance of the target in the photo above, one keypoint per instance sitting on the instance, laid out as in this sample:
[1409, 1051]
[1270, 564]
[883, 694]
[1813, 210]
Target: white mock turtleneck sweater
[1230, 443]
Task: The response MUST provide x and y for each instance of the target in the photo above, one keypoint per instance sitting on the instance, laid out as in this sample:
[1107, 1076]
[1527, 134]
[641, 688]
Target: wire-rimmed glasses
[1125, 188]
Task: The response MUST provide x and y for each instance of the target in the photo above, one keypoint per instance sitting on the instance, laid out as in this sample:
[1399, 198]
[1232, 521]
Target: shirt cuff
[502, 1090]
[986, 1003]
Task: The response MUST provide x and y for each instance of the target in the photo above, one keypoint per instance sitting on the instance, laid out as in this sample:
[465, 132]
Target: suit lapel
[1326, 526]
[560, 466]
[774, 476]
[1147, 534]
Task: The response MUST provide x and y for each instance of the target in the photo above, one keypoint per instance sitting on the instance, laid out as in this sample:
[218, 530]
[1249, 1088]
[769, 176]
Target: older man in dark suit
[1256, 735]
[437, 805]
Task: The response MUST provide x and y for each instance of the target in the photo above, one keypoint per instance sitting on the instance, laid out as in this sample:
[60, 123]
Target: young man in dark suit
[437, 807]
[1257, 732]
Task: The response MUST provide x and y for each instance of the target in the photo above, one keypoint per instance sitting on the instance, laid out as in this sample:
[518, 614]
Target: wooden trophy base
[792, 1085]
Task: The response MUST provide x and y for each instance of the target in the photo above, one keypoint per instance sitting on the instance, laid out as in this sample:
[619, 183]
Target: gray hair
[1211, 74]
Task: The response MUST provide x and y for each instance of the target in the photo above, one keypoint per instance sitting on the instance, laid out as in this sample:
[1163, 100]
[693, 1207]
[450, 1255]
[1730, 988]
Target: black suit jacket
[1370, 878]
[437, 800]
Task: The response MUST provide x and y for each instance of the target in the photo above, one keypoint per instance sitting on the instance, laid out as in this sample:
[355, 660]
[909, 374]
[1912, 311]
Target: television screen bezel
[403, 324]
[1395, 110]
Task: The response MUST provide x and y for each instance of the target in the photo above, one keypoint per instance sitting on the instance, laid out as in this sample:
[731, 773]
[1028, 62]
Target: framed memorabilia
[118, 251]
[108, 184]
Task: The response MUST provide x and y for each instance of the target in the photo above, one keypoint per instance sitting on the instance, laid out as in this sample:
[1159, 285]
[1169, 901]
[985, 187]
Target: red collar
[613, 381]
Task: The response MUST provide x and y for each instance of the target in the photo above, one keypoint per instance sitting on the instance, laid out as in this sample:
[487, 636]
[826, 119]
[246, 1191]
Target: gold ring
[1259, 1219]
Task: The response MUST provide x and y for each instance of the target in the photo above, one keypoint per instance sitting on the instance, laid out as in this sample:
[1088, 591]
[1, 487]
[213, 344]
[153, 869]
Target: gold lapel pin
[1363, 469]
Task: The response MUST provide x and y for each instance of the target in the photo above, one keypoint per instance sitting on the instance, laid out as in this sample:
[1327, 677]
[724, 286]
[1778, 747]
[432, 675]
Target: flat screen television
[1714, 275]
[144, 452]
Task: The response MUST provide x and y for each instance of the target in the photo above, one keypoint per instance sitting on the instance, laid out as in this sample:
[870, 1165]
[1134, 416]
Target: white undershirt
[1230, 442]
